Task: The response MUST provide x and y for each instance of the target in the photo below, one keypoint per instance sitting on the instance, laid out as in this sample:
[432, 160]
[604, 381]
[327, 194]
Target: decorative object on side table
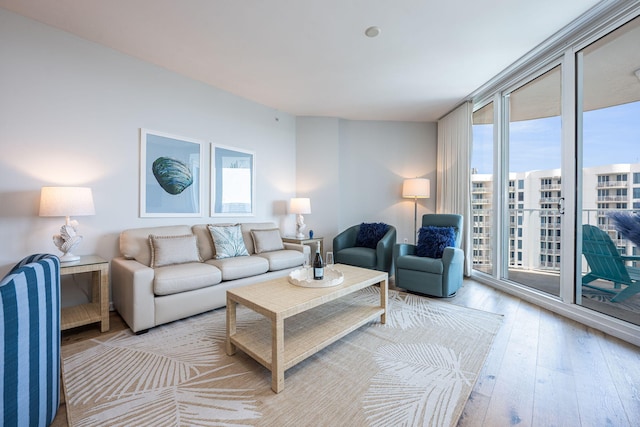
[300, 206]
[311, 234]
[628, 225]
[67, 202]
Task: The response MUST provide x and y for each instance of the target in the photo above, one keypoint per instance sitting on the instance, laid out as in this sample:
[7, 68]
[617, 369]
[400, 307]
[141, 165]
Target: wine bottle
[318, 266]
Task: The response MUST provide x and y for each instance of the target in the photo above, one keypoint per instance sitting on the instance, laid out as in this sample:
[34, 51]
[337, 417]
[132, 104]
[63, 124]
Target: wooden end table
[311, 242]
[98, 309]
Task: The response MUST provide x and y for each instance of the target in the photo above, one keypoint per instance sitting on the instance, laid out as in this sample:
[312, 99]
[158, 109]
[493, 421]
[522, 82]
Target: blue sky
[611, 135]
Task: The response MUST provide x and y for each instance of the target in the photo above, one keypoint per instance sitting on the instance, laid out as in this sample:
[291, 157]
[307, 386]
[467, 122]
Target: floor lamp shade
[67, 202]
[416, 188]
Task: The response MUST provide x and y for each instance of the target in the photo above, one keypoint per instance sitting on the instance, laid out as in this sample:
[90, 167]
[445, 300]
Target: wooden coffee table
[278, 300]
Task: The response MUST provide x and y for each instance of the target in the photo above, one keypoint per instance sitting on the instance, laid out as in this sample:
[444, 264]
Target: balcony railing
[532, 245]
[613, 198]
[612, 184]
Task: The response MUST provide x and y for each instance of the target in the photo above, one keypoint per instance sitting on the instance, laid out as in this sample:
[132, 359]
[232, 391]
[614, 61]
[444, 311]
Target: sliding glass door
[555, 161]
[608, 78]
[533, 195]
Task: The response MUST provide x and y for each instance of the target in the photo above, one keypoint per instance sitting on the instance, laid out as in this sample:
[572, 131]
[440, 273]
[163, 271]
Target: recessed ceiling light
[372, 31]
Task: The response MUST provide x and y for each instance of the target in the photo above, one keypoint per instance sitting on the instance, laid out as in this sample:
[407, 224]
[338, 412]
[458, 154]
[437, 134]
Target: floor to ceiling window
[534, 220]
[609, 113]
[482, 189]
[563, 133]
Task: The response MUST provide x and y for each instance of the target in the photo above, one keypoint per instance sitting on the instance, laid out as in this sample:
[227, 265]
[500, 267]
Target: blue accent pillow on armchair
[370, 233]
[432, 241]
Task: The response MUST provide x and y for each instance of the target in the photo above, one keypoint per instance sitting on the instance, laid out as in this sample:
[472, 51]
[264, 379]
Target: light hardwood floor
[543, 369]
[547, 370]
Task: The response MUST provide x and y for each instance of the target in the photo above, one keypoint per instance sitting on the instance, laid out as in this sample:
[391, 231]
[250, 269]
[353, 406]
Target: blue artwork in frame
[170, 175]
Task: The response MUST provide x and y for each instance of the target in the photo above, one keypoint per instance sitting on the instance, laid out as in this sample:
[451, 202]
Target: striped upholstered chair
[30, 342]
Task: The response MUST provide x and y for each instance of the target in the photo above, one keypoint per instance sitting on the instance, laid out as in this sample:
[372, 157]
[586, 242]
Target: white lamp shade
[418, 188]
[300, 205]
[66, 201]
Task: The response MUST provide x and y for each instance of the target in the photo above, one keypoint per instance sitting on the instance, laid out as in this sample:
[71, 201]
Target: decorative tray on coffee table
[304, 278]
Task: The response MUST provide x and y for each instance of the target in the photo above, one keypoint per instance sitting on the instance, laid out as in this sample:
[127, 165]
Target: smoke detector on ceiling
[372, 31]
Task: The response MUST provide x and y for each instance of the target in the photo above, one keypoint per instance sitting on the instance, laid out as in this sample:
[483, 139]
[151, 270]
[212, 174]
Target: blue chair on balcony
[435, 266]
[606, 263]
[30, 337]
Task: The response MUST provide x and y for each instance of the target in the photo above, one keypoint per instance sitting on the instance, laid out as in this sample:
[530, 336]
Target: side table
[98, 309]
[311, 242]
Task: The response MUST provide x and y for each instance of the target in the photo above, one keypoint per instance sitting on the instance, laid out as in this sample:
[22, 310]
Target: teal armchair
[440, 277]
[345, 250]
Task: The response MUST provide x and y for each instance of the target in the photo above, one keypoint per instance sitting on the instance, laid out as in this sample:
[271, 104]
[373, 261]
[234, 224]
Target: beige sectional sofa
[168, 273]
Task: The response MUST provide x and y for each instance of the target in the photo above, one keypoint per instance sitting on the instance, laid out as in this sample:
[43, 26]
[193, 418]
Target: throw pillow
[370, 233]
[228, 241]
[267, 240]
[167, 250]
[432, 241]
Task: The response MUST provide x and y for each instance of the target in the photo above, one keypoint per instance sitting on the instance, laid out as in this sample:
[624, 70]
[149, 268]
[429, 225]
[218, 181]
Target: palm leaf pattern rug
[418, 369]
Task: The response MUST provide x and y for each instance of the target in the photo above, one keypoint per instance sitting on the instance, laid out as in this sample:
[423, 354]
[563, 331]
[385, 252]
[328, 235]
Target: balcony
[549, 200]
[613, 198]
[612, 184]
[540, 267]
[547, 187]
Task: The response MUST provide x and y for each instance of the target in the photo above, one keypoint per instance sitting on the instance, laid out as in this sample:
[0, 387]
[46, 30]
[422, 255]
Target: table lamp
[67, 202]
[416, 188]
[300, 206]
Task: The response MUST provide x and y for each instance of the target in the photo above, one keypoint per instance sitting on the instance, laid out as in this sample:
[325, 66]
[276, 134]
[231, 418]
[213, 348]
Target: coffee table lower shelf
[298, 321]
[312, 333]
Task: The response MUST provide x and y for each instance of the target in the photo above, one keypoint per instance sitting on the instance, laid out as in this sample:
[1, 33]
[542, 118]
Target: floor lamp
[415, 188]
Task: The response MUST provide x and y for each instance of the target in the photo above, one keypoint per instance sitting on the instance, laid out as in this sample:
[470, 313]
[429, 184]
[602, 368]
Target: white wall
[353, 172]
[70, 113]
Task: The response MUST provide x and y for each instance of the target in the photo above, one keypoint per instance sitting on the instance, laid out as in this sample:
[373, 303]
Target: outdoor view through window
[531, 223]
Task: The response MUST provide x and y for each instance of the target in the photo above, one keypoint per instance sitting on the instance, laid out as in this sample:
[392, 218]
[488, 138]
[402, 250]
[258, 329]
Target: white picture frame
[232, 181]
[171, 175]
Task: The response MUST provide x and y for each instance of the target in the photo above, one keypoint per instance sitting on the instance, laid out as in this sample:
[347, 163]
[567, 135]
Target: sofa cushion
[279, 260]
[134, 243]
[168, 250]
[227, 240]
[247, 227]
[172, 279]
[369, 234]
[432, 241]
[240, 267]
[205, 241]
[267, 240]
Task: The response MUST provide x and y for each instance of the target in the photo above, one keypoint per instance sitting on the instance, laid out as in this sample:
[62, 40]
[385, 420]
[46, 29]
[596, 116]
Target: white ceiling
[311, 57]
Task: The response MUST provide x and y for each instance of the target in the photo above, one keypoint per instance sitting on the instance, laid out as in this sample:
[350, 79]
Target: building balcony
[612, 184]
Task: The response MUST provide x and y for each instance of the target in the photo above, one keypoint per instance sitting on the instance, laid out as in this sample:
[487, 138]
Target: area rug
[417, 369]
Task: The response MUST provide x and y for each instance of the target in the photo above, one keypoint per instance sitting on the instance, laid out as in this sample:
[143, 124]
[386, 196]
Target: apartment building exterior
[535, 219]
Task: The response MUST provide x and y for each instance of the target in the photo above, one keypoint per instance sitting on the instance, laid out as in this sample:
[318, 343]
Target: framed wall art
[232, 181]
[170, 175]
